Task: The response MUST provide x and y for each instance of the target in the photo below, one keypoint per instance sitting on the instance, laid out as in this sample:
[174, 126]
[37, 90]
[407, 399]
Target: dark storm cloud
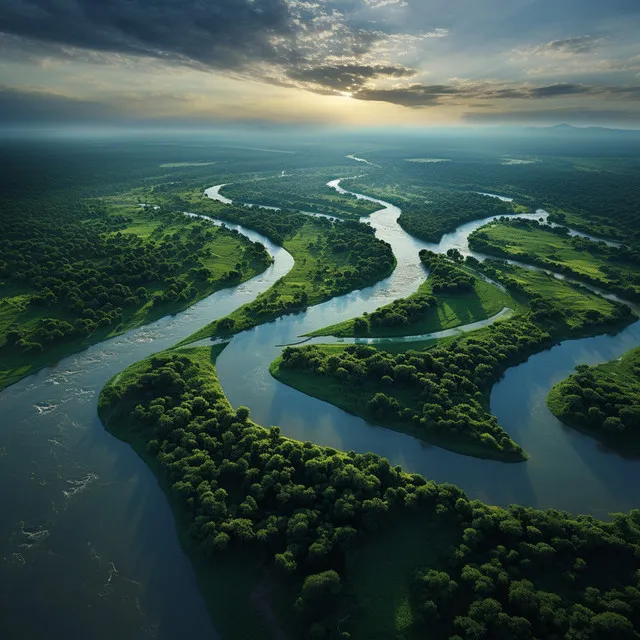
[419, 95]
[222, 33]
[346, 77]
[561, 89]
[36, 106]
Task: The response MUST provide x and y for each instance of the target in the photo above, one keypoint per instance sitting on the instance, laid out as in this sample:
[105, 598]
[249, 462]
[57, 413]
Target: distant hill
[568, 129]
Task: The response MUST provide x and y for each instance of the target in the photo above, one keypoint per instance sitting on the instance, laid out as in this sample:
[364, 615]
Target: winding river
[86, 534]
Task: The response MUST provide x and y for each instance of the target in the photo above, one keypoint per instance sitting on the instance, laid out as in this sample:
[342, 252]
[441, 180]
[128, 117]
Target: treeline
[439, 394]
[605, 196]
[332, 258]
[78, 271]
[617, 271]
[304, 191]
[521, 573]
[444, 210]
[603, 400]
[444, 276]
[509, 573]
[400, 313]
[428, 212]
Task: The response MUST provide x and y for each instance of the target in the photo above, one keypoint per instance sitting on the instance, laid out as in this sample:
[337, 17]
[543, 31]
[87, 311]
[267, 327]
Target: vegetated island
[302, 189]
[440, 393]
[614, 269]
[74, 272]
[428, 212]
[295, 540]
[603, 401]
[453, 295]
[331, 259]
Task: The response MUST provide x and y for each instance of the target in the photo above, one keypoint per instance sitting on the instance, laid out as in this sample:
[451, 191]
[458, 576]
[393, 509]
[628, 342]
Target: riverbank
[603, 402]
[450, 310]
[227, 259]
[323, 269]
[228, 583]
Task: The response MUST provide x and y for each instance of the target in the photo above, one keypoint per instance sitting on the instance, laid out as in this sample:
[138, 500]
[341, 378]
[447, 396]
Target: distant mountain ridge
[569, 129]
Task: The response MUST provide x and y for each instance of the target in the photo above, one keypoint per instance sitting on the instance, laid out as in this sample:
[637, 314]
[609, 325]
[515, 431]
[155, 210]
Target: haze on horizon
[344, 62]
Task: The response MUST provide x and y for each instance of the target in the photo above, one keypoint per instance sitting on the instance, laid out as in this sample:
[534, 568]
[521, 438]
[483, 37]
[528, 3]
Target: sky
[348, 62]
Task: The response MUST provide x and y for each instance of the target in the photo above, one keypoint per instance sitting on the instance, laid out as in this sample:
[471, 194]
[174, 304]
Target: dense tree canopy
[516, 573]
[604, 400]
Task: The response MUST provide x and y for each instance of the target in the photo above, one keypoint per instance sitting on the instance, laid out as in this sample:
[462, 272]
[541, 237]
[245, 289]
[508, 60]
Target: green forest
[439, 394]
[308, 519]
[74, 272]
[451, 296]
[289, 538]
[603, 401]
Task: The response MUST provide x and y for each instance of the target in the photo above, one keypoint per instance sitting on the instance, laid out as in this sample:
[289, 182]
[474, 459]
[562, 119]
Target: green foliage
[74, 271]
[439, 394]
[303, 190]
[462, 298]
[428, 212]
[331, 259]
[604, 401]
[443, 275]
[611, 268]
[504, 573]
[523, 573]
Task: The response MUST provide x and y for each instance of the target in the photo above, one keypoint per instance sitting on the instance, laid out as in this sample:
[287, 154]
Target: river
[87, 537]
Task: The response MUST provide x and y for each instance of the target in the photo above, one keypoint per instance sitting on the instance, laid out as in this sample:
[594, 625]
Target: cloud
[345, 77]
[560, 89]
[223, 34]
[578, 45]
[378, 4]
[461, 92]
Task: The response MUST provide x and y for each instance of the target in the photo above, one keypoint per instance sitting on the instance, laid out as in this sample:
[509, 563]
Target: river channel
[87, 538]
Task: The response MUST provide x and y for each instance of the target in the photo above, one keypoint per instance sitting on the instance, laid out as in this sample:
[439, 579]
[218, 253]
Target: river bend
[87, 534]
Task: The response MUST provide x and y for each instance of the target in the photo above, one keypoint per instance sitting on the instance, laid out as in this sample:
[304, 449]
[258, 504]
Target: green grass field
[452, 310]
[540, 246]
[281, 297]
[15, 308]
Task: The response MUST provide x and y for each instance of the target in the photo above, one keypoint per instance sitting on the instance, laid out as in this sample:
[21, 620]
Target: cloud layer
[417, 54]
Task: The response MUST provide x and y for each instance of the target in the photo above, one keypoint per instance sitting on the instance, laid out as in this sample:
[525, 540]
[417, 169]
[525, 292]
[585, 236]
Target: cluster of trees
[275, 225]
[616, 270]
[82, 273]
[521, 573]
[306, 507]
[437, 211]
[339, 257]
[447, 383]
[444, 276]
[604, 399]
[428, 211]
[400, 313]
[303, 190]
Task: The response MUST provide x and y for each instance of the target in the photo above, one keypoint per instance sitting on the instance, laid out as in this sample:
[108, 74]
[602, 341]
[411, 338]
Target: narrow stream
[566, 470]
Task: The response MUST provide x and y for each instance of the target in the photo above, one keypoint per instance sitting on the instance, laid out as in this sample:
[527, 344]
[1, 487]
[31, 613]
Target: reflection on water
[88, 547]
[566, 470]
[87, 540]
